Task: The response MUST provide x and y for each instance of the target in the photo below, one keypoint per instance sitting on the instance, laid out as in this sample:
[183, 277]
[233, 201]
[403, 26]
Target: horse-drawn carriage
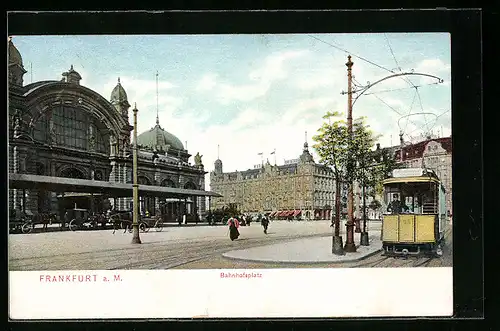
[83, 219]
[124, 219]
[27, 222]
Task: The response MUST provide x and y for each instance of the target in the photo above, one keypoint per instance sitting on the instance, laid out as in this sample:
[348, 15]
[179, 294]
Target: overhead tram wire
[408, 81]
[397, 64]
[393, 56]
[372, 63]
[411, 107]
[352, 54]
[422, 108]
[413, 85]
[399, 89]
[437, 116]
[392, 108]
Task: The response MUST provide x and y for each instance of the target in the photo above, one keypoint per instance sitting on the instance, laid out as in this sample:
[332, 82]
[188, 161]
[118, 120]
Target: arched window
[95, 137]
[190, 186]
[143, 180]
[40, 129]
[72, 173]
[75, 128]
[39, 169]
[168, 183]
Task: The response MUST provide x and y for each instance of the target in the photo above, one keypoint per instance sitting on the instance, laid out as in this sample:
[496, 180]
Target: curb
[301, 262]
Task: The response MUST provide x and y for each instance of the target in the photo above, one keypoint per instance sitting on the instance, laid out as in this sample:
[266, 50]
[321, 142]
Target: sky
[251, 94]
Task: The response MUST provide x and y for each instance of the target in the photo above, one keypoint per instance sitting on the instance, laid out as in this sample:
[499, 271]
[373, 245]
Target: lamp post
[350, 246]
[135, 220]
[364, 234]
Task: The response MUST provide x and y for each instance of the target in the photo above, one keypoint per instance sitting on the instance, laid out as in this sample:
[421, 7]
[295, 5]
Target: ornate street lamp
[350, 246]
[135, 220]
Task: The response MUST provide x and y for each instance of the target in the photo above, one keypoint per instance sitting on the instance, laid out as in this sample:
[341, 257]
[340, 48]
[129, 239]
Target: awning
[111, 189]
[296, 212]
[78, 194]
[282, 213]
[272, 213]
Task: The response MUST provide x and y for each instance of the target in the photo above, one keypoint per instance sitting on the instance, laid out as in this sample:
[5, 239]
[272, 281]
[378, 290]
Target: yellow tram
[415, 213]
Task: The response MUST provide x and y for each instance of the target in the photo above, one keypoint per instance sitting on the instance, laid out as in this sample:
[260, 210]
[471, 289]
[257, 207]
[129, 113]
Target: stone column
[17, 194]
[156, 210]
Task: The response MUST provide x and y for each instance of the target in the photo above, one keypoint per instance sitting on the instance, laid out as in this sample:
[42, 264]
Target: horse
[122, 220]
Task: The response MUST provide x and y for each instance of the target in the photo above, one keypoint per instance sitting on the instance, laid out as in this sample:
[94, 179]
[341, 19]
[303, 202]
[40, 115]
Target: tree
[375, 204]
[384, 163]
[343, 155]
[331, 146]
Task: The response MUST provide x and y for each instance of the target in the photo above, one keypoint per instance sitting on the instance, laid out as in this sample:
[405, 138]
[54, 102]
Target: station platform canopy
[111, 189]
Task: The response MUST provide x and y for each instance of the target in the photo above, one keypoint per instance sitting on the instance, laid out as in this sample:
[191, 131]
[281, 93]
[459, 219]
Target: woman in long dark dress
[233, 228]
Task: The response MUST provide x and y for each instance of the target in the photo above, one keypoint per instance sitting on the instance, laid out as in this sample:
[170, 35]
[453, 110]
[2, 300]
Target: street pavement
[101, 249]
[295, 244]
[308, 250]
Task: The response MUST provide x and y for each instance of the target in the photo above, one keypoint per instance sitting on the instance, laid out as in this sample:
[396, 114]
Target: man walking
[265, 223]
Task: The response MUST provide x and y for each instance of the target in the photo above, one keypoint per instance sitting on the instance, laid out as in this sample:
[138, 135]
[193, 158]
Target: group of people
[234, 224]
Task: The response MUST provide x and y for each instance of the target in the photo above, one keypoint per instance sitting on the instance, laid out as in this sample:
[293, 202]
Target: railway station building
[62, 129]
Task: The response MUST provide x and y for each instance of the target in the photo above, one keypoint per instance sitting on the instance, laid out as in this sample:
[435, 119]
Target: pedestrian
[233, 228]
[265, 223]
[249, 219]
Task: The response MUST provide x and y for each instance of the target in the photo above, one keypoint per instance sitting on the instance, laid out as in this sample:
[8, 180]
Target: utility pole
[135, 220]
[364, 241]
[350, 246]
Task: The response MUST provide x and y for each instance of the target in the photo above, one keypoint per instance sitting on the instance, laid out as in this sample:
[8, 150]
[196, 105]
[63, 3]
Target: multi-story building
[60, 128]
[300, 188]
[434, 154]
[431, 153]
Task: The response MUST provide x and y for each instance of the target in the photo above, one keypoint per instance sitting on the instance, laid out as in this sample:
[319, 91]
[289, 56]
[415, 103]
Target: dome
[158, 138]
[218, 162]
[118, 94]
[14, 55]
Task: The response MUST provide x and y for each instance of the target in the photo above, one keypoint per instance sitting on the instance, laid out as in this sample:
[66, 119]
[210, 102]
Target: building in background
[434, 154]
[300, 188]
[60, 128]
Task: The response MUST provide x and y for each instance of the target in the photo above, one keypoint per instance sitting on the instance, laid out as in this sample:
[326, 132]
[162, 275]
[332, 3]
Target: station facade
[60, 128]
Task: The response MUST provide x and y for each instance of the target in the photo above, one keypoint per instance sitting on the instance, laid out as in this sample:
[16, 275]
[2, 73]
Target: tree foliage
[331, 144]
[344, 153]
[384, 163]
[352, 158]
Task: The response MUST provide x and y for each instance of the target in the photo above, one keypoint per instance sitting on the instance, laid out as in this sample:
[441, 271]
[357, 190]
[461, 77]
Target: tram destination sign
[407, 172]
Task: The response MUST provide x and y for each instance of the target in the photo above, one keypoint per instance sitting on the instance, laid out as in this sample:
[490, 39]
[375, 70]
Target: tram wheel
[27, 227]
[72, 225]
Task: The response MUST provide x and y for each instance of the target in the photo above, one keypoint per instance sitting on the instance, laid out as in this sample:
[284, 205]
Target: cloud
[307, 108]
[261, 79]
[207, 82]
[260, 101]
[435, 67]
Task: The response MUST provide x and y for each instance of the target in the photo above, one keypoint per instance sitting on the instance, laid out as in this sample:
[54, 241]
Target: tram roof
[112, 189]
[413, 179]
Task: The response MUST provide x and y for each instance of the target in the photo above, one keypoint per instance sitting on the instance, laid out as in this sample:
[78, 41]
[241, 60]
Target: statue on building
[197, 159]
[92, 143]
[52, 138]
